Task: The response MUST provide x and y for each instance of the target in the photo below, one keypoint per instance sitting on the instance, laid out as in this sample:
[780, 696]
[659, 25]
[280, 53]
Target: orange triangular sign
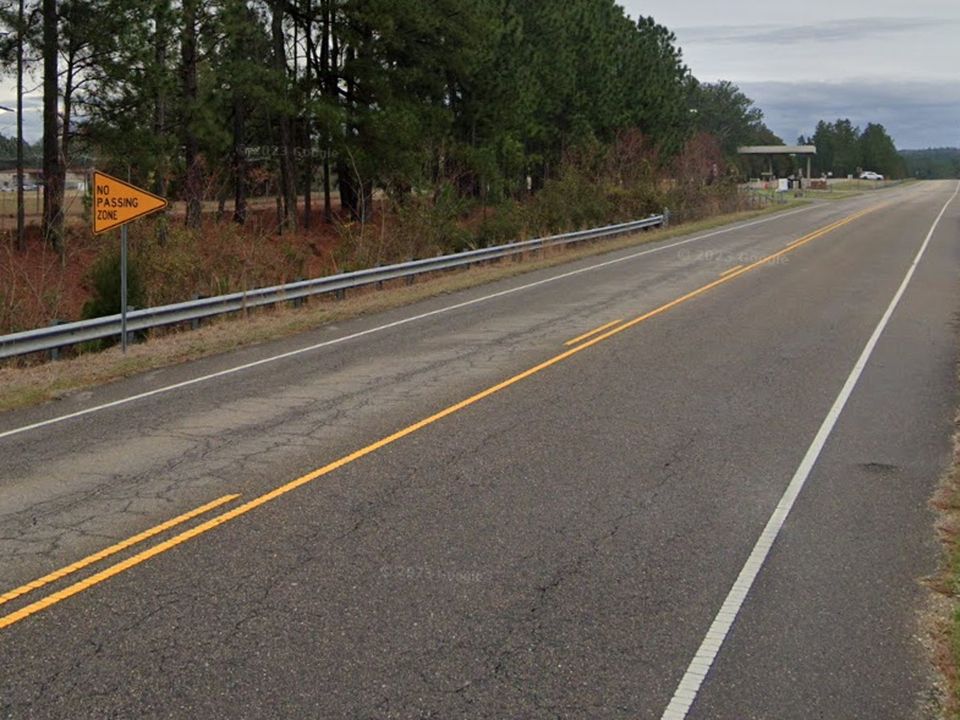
[116, 203]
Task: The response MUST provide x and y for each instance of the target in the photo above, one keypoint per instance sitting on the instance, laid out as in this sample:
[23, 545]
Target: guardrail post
[666, 217]
[131, 334]
[298, 301]
[55, 352]
[196, 322]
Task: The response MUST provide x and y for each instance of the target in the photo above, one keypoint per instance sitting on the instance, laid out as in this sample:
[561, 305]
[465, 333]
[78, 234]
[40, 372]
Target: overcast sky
[896, 63]
[892, 62]
[32, 119]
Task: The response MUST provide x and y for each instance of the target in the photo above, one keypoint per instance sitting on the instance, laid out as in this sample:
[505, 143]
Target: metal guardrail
[62, 335]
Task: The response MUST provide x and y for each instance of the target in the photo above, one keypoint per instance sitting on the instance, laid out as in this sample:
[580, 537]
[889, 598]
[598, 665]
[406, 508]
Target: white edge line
[387, 326]
[686, 692]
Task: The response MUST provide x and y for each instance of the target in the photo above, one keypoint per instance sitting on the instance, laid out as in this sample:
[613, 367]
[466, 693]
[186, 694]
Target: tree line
[933, 163]
[8, 151]
[304, 98]
[844, 149]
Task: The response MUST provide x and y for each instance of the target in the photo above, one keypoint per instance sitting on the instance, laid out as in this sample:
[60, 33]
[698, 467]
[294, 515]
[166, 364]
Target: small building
[33, 178]
[8, 179]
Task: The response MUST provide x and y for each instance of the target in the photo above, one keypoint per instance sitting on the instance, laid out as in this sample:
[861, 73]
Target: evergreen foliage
[843, 149]
[213, 99]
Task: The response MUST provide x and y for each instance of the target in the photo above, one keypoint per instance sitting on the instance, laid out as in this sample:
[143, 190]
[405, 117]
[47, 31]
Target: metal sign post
[116, 203]
[123, 287]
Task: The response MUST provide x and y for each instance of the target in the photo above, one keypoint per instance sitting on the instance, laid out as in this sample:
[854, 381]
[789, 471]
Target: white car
[870, 175]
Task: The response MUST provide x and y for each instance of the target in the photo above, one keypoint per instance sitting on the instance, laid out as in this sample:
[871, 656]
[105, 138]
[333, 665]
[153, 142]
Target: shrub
[571, 202]
[104, 279]
[220, 258]
[503, 224]
[32, 286]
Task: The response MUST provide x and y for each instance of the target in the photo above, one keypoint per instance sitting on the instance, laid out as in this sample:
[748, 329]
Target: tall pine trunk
[328, 78]
[288, 187]
[69, 87]
[52, 171]
[191, 143]
[356, 192]
[159, 120]
[239, 158]
[308, 119]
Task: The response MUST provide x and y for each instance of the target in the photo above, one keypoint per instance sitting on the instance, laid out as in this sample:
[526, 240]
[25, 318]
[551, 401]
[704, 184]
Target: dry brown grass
[31, 385]
[940, 620]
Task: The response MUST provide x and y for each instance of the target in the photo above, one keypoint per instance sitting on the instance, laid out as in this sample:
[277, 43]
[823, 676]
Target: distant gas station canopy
[777, 150]
[770, 151]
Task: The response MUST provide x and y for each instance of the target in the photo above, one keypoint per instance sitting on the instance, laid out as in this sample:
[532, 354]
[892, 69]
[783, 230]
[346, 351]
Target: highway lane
[558, 548]
[150, 460]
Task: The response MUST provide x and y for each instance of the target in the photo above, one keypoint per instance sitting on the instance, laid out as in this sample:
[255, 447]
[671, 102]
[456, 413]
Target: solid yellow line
[246, 507]
[730, 270]
[709, 286]
[112, 550]
[577, 339]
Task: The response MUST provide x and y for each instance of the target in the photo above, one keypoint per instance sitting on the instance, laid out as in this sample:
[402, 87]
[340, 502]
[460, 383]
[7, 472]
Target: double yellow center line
[112, 550]
[730, 270]
[594, 337]
[591, 333]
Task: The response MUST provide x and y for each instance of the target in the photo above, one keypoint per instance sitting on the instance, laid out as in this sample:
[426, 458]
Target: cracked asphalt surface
[556, 550]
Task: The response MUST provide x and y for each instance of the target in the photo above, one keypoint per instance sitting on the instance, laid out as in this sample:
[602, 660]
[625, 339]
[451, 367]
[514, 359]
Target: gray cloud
[915, 114]
[830, 31]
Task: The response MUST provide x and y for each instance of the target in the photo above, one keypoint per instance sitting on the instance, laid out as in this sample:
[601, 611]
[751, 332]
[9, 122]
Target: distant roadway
[685, 479]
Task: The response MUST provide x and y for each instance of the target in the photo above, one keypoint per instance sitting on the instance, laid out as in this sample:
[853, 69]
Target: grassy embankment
[942, 621]
[849, 188]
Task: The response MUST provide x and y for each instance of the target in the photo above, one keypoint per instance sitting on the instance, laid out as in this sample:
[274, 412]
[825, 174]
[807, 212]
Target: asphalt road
[445, 512]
